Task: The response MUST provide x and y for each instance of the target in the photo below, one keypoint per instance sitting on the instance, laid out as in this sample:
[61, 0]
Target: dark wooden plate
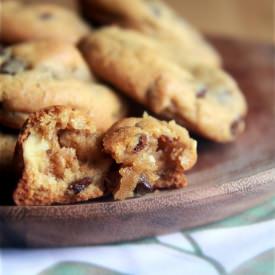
[227, 179]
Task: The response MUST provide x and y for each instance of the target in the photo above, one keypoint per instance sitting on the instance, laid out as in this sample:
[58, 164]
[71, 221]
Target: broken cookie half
[59, 155]
[150, 155]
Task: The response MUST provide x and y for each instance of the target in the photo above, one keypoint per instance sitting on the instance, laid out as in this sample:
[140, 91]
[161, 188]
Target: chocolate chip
[142, 142]
[13, 66]
[79, 185]
[143, 186]
[201, 92]
[236, 126]
[45, 16]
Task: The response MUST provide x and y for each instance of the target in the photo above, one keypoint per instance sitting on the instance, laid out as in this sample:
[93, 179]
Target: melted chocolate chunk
[79, 185]
[13, 66]
[142, 142]
[45, 16]
[143, 186]
[164, 142]
[236, 126]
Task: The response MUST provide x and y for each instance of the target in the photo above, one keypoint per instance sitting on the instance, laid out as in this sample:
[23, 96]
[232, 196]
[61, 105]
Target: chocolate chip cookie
[205, 99]
[61, 58]
[24, 22]
[43, 73]
[150, 154]
[155, 19]
[30, 91]
[60, 158]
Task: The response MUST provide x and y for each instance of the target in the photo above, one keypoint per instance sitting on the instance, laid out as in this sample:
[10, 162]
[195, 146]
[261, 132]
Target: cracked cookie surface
[24, 22]
[204, 99]
[59, 155]
[150, 155]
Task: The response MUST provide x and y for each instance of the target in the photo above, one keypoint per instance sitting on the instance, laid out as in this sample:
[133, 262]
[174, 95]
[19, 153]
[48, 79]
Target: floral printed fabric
[244, 244]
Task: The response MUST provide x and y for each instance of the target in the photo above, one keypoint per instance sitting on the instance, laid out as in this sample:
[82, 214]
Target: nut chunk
[151, 155]
[60, 158]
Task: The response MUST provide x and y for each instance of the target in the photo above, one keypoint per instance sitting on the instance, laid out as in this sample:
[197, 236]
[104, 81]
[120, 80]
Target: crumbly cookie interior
[152, 155]
[63, 163]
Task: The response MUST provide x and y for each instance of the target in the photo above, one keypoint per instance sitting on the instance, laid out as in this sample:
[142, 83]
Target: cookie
[151, 155]
[30, 91]
[7, 146]
[155, 19]
[61, 58]
[60, 158]
[24, 22]
[204, 99]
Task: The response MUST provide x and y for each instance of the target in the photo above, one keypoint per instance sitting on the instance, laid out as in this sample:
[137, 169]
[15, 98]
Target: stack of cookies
[69, 89]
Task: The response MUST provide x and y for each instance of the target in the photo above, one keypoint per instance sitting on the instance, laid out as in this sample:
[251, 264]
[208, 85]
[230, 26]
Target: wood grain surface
[227, 179]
